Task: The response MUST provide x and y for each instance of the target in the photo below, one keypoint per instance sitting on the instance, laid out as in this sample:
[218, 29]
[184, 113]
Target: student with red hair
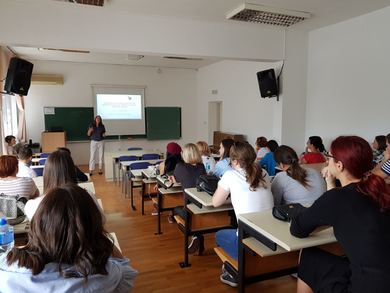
[359, 212]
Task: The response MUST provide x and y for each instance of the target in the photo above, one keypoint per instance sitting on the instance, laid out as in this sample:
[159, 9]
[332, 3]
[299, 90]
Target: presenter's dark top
[98, 132]
[360, 227]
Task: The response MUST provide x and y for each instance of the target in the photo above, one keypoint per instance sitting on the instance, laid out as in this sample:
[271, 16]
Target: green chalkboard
[163, 123]
[73, 120]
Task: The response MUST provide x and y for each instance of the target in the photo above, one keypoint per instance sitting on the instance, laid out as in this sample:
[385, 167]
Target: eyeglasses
[328, 157]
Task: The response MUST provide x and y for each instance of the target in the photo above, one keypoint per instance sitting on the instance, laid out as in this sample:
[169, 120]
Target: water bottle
[6, 236]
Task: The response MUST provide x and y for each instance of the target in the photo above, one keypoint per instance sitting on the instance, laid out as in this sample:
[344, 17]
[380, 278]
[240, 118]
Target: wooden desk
[167, 199]
[271, 240]
[202, 218]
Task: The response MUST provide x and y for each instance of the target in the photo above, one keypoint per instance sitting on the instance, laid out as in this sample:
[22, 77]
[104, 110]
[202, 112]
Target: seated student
[172, 157]
[383, 168]
[295, 184]
[248, 186]
[12, 185]
[59, 171]
[359, 213]
[379, 147]
[314, 151]
[261, 147]
[187, 174]
[68, 250]
[80, 176]
[25, 157]
[268, 161]
[10, 142]
[224, 162]
[207, 158]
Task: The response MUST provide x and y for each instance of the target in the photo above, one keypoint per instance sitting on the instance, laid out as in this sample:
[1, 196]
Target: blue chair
[134, 149]
[44, 155]
[150, 157]
[123, 159]
[134, 182]
[42, 162]
[39, 171]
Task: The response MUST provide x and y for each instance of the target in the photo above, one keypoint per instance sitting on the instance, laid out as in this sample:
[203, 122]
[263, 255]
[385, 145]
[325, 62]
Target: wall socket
[214, 92]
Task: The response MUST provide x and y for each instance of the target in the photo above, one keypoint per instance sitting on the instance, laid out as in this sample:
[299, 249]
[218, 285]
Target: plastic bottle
[6, 236]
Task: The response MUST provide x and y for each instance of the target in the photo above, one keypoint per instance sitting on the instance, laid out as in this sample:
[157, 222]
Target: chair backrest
[139, 165]
[134, 149]
[42, 162]
[150, 156]
[44, 155]
[39, 171]
[127, 158]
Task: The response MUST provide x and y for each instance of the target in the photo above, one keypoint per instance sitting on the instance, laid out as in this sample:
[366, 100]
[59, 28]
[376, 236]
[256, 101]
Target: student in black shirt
[187, 174]
[359, 213]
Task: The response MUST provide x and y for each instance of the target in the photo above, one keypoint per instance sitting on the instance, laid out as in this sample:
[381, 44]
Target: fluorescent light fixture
[134, 57]
[267, 15]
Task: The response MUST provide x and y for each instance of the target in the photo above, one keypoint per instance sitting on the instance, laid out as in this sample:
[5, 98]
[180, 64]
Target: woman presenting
[97, 132]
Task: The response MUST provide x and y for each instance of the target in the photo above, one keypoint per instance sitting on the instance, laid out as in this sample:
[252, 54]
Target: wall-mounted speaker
[18, 76]
[267, 83]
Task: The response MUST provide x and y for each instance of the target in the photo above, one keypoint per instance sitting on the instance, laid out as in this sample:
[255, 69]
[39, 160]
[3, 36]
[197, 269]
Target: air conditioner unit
[47, 79]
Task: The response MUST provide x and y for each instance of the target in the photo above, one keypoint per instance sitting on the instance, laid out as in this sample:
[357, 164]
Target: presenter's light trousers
[96, 147]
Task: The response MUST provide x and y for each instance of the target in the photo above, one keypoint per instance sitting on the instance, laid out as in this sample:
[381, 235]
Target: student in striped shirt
[383, 168]
[12, 185]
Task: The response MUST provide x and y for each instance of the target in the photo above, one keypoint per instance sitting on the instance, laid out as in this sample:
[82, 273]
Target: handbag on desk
[13, 208]
[287, 211]
[207, 183]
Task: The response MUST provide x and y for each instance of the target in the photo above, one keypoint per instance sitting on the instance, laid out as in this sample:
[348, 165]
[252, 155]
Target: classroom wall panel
[348, 78]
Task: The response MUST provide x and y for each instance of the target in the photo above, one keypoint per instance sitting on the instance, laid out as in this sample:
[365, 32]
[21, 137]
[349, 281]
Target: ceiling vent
[267, 15]
[182, 58]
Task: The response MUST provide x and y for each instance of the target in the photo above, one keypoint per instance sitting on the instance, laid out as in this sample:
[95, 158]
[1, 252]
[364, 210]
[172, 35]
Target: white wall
[243, 111]
[173, 87]
[348, 78]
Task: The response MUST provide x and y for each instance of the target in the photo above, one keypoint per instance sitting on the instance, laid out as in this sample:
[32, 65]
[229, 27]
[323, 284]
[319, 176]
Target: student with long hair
[359, 213]
[80, 176]
[378, 147]
[68, 250]
[248, 186]
[207, 158]
[187, 175]
[224, 161]
[314, 151]
[97, 132]
[172, 157]
[59, 171]
[295, 184]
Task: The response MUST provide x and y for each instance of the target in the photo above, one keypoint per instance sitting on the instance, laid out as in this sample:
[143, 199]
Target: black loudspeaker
[267, 83]
[18, 76]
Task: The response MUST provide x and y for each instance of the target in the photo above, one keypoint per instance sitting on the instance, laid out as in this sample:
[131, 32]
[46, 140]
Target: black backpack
[207, 183]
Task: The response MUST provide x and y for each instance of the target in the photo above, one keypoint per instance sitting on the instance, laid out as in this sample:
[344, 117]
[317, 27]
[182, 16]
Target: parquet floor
[157, 257]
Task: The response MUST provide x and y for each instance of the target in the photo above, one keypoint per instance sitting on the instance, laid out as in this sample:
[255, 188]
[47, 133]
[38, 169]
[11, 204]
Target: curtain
[5, 56]
[21, 136]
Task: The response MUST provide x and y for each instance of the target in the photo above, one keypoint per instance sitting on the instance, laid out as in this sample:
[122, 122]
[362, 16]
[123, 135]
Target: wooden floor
[157, 257]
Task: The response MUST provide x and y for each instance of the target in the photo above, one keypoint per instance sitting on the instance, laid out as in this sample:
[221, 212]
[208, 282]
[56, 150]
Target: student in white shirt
[207, 158]
[10, 142]
[25, 157]
[248, 186]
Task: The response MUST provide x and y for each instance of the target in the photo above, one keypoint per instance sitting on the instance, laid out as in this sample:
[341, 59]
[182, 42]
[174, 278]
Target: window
[10, 115]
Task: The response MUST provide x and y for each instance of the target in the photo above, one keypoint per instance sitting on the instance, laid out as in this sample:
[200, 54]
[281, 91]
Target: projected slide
[114, 106]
